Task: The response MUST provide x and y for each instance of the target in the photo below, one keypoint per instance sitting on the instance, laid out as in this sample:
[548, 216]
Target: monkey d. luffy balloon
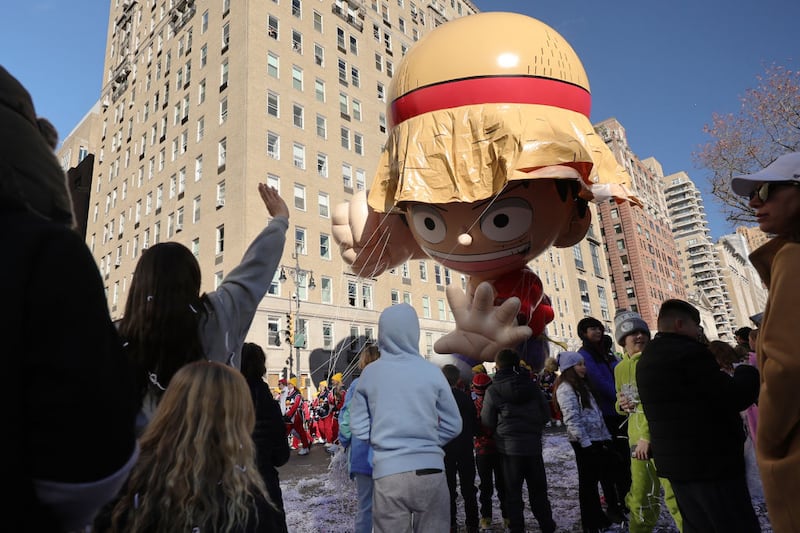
[490, 160]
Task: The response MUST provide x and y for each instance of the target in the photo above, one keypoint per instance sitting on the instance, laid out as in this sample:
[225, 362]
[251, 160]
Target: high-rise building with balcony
[639, 243]
[698, 258]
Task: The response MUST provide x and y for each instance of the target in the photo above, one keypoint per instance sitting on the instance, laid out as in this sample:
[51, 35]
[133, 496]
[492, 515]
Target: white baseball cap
[785, 168]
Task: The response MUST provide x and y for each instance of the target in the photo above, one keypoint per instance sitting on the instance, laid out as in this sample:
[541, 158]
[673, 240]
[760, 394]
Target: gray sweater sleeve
[233, 305]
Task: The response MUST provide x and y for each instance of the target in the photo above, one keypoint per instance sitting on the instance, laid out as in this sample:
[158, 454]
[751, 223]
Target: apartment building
[201, 100]
[699, 259]
[641, 250]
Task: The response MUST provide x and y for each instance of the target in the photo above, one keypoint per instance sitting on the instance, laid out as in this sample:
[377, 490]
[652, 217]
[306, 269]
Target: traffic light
[290, 329]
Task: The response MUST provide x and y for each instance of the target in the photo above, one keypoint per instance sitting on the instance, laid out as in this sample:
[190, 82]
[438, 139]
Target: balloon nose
[465, 239]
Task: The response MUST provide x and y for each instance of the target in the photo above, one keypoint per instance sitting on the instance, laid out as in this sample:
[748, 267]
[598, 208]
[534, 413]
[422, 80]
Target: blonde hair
[369, 354]
[197, 464]
[551, 364]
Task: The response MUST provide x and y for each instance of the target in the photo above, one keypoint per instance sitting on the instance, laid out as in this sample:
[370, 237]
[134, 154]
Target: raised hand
[272, 200]
[482, 329]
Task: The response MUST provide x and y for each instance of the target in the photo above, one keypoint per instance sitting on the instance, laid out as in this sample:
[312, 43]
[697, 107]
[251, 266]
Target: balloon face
[491, 237]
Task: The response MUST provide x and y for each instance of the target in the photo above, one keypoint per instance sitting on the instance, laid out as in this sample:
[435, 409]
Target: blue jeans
[363, 522]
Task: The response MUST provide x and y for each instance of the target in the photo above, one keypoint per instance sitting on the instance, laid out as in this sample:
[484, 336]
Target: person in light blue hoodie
[359, 452]
[407, 426]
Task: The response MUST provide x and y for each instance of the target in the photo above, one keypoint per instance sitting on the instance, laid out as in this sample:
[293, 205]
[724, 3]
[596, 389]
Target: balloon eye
[507, 219]
[428, 223]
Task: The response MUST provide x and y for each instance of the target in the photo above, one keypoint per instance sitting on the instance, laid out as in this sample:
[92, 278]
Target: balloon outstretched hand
[371, 242]
[482, 329]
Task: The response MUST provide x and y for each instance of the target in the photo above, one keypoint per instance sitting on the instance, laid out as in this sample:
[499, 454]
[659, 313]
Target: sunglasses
[763, 190]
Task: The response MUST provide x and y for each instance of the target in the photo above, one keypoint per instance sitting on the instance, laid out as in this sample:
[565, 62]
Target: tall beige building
[201, 100]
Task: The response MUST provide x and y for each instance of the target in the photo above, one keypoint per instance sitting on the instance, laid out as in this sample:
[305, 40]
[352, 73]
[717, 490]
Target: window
[297, 78]
[272, 27]
[201, 95]
[601, 296]
[356, 110]
[222, 153]
[360, 179]
[395, 297]
[300, 241]
[358, 143]
[223, 110]
[322, 165]
[317, 21]
[297, 41]
[273, 333]
[196, 210]
[423, 271]
[344, 135]
[324, 246]
[340, 39]
[319, 55]
[299, 156]
[406, 297]
[322, 127]
[352, 293]
[326, 290]
[355, 77]
[353, 45]
[347, 176]
[273, 145]
[297, 10]
[201, 128]
[203, 24]
[319, 90]
[203, 55]
[342, 66]
[220, 240]
[223, 76]
[198, 168]
[273, 104]
[426, 307]
[300, 196]
[576, 251]
[327, 335]
[441, 309]
[378, 62]
[298, 115]
[323, 202]
[221, 193]
[344, 105]
[595, 251]
[437, 274]
[273, 65]
[381, 92]
[366, 296]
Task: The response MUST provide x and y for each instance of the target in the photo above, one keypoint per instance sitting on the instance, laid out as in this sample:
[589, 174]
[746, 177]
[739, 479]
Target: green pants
[643, 500]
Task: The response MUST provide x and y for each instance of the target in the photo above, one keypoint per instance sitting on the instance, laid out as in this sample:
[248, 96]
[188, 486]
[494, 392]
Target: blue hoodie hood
[398, 331]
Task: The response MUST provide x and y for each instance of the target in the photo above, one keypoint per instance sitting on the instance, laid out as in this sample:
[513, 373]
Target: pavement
[304, 466]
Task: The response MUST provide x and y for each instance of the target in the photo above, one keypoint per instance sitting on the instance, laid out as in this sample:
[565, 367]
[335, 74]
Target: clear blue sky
[660, 68]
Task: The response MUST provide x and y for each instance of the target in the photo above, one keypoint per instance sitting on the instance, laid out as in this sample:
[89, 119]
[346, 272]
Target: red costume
[293, 417]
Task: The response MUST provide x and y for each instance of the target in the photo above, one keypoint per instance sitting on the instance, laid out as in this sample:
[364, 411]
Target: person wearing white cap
[643, 498]
[774, 194]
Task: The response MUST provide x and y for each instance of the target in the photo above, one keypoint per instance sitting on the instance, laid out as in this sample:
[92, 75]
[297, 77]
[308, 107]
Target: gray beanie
[626, 322]
[568, 360]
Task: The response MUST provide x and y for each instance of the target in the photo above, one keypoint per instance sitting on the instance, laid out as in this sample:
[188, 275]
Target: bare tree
[766, 126]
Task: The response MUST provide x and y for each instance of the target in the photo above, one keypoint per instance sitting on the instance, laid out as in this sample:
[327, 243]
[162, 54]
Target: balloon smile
[478, 262]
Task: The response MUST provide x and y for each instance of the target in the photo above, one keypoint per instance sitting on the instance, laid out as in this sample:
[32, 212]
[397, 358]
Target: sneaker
[558, 423]
[332, 449]
[303, 451]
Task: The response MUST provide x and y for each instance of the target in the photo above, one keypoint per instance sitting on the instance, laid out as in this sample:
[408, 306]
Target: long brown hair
[162, 314]
[197, 463]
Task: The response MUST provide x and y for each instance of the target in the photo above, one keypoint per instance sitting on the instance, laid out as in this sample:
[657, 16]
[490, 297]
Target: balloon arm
[482, 329]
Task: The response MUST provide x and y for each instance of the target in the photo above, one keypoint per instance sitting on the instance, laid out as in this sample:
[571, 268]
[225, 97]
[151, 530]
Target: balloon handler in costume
[490, 160]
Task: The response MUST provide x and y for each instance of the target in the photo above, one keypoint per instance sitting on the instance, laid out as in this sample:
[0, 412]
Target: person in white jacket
[589, 437]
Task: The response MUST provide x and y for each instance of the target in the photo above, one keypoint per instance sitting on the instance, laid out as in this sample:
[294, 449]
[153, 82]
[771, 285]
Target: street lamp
[302, 279]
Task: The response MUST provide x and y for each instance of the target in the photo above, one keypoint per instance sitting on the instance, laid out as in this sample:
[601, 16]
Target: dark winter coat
[600, 370]
[693, 409]
[515, 408]
[462, 444]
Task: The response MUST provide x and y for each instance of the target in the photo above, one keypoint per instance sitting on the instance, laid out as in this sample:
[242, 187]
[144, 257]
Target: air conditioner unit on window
[178, 227]
[220, 203]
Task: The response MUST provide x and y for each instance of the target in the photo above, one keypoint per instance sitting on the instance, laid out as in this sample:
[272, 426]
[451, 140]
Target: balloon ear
[578, 225]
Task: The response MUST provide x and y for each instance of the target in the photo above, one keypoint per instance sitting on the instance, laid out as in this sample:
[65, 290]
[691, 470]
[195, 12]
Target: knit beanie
[481, 381]
[568, 360]
[30, 174]
[586, 323]
[627, 322]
